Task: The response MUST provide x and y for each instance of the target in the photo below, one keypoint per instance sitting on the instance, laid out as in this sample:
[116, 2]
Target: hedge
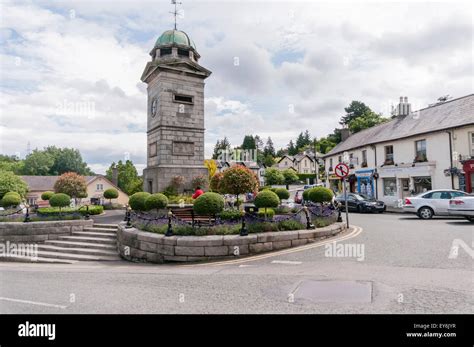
[156, 201]
[137, 201]
[54, 211]
[209, 204]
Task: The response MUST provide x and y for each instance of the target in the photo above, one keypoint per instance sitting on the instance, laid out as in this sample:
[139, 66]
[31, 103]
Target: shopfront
[468, 168]
[335, 183]
[365, 182]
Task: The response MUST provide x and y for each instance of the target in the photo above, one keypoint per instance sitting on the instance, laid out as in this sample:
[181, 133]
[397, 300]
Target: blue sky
[70, 70]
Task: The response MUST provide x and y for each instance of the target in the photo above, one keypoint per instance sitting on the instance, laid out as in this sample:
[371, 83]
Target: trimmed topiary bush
[47, 195]
[11, 199]
[320, 194]
[215, 183]
[282, 193]
[156, 201]
[266, 199]
[137, 201]
[306, 195]
[267, 213]
[110, 194]
[209, 204]
[60, 200]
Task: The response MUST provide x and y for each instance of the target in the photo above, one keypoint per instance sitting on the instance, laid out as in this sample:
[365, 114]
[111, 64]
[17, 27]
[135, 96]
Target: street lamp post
[169, 231]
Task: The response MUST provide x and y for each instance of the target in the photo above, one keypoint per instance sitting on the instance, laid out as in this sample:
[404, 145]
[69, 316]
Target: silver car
[431, 203]
[462, 206]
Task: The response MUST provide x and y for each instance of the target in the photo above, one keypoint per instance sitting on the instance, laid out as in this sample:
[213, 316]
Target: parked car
[431, 203]
[462, 206]
[309, 186]
[360, 203]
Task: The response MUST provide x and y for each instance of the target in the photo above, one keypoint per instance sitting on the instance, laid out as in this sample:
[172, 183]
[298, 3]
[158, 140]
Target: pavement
[403, 265]
[109, 217]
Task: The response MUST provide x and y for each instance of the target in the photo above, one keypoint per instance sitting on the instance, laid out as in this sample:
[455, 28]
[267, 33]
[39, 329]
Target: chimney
[115, 176]
[403, 108]
[345, 133]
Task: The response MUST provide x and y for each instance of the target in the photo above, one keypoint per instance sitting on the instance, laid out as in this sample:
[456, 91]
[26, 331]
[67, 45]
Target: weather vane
[175, 13]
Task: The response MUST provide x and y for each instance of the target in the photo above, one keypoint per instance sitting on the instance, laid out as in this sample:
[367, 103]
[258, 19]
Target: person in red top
[198, 193]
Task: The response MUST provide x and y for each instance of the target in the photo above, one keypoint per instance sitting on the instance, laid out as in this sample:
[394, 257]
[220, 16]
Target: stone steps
[94, 234]
[76, 256]
[38, 260]
[105, 226]
[77, 250]
[70, 244]
[102, 230]
[100, 240]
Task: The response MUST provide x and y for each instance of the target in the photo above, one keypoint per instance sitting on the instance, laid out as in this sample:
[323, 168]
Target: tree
[248, 143]
[266, 199]
[72, 184]
[292, 150]
[353, 111]
[67, 160]
[268, 160]
[201, 181]
[220, 146]
[11, 163]
[128, 179]
[290, 177]
[60, 200]
[9, 182]
[269, 148]
[238, 180]
[110, 194]
[365, 121]
[215, 182]
[10, 199]
[38, 163]
[274, 176]
[47, 195]
[211, 167]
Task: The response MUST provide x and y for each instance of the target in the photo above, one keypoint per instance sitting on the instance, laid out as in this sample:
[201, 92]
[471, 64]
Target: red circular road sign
[341, 170]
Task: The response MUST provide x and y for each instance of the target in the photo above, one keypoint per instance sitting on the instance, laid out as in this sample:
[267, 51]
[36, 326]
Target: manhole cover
[334, 291]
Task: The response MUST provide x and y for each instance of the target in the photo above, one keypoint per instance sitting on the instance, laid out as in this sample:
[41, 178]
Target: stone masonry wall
[40, 231]
[137, 245]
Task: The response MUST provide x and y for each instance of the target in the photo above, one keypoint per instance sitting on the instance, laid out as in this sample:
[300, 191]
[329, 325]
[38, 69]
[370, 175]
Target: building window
[339, 159]
[152, 149]
[150, 186]
[364, 158]
[389, 186]
[471, 143]
[420, 150]
[187, 99]
[422, 184]
[330, 165]
[165, 51]
[388, 155]
[99, 187]
[183, 52]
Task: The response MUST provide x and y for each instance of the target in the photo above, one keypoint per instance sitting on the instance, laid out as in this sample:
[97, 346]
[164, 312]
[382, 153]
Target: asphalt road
[404, 268]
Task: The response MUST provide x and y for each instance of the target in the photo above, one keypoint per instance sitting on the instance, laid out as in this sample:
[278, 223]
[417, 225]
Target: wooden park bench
[189, 216]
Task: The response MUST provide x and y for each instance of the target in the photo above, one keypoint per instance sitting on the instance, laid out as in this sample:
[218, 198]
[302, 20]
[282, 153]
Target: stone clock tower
[175, 126]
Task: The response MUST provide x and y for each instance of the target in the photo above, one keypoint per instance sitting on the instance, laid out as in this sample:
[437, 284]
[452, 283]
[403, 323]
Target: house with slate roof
[431, 148]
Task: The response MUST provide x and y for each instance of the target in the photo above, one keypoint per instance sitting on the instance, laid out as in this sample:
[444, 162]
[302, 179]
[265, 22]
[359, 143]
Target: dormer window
[187, 99]
[183, 52]
[165, 51]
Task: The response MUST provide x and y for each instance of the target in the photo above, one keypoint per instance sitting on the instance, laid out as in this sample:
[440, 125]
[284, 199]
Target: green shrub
[306, 195]
[60, 200]
[230, 215]
[291, 225]
[111, 193]
[137, 201]
[266, 213]
[209, 204]
[9, 182]
[215, 183]
[320, 194]
[266, 198]
[55, 211]
[11, 199]
[46, 195]
[262, 227]
[170, 191]
[282, 210]
[282, 193]
[264, 187]
[176, 199]
[156, 201]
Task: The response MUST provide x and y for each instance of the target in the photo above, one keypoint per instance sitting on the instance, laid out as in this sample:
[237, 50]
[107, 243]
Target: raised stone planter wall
[137, 245]
[40, 231]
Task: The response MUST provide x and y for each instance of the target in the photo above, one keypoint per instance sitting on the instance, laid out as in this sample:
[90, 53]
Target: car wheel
[425, 213]
[470, 219]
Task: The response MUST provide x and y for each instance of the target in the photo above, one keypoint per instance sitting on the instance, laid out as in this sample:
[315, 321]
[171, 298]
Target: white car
[462, 206]
[431, 203]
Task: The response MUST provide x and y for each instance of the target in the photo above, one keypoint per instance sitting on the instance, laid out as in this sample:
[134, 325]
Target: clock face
[153, 107]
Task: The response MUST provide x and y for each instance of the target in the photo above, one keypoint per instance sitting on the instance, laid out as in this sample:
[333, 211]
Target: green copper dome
[175, 37]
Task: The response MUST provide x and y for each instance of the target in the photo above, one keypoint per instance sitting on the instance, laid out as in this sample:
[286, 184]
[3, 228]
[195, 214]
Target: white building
[431, 148]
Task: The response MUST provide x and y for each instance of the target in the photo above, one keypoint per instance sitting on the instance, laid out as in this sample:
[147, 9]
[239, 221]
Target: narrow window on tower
[183, 52]
[187, 99]
[152, 149]
[165, 51]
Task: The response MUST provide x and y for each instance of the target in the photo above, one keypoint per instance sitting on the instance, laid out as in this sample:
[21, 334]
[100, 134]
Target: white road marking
[286, 262]
[244, 265]
[355, 232]
[33, 303]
